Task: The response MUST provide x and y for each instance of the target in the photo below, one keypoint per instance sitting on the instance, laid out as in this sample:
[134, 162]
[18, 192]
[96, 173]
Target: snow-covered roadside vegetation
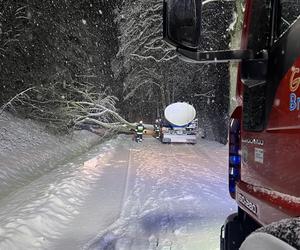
[27, 151]
[55, 60]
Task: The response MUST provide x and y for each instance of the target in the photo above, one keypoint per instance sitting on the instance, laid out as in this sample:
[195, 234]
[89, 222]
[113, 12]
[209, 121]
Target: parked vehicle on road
[181, 125]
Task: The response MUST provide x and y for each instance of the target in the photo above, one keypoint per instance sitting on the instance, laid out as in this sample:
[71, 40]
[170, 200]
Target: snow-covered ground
[28, 152]
[175, 198]
[123, 195]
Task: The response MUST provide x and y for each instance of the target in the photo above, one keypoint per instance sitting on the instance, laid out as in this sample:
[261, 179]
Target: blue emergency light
[234, 155]
[235, 159]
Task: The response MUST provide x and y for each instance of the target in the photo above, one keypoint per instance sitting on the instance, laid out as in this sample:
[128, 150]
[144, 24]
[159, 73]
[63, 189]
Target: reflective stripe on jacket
[139, 129]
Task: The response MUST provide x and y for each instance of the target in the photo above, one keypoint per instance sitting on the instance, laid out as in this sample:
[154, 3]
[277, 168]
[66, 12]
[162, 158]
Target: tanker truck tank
[182, 124]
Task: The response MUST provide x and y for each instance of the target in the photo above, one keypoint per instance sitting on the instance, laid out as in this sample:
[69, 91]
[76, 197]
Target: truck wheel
[235, 230]
[231, 237]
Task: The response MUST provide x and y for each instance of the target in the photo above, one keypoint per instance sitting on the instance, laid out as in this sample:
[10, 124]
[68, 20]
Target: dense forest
[56, 55]
[76, 62]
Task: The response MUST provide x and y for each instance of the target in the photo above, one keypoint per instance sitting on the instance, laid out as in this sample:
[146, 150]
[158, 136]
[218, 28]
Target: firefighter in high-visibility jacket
[139, 130]
[156, 128]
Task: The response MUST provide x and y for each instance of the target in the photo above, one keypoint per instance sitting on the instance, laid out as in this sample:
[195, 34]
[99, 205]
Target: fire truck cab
[264, 130]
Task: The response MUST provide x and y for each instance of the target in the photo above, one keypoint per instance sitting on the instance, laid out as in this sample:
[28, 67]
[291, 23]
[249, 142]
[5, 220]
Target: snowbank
[40, 214]
[27, 151]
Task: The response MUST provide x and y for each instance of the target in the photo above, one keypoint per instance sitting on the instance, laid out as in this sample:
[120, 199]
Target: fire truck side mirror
[182, 27]
[182, 23]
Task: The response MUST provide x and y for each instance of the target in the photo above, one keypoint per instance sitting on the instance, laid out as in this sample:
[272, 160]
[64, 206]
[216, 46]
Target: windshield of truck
[260, 25]
[289, 11]
[221, 25]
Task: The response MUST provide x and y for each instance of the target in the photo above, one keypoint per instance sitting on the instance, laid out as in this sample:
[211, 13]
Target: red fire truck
[264, 130]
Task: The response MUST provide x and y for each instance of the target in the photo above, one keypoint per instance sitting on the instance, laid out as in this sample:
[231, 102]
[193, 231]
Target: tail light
[234, 154]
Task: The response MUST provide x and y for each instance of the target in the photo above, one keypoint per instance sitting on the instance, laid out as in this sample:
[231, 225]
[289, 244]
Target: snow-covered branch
[16, 98]
[166, 57]
[210, 1]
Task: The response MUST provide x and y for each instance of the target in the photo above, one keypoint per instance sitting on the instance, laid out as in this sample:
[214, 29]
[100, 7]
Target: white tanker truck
[181, 125]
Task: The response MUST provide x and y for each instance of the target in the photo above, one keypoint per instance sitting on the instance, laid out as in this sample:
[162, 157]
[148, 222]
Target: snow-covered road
[123, 195]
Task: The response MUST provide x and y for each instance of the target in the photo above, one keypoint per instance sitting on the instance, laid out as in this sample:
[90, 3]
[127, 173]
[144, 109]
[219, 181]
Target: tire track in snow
[167, 201]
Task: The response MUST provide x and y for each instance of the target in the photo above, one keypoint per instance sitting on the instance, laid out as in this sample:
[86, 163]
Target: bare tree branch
[12, 100]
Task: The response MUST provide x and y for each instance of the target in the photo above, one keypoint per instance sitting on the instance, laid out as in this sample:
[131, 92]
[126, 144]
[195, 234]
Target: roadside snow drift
[41, 213]
[27, 151]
